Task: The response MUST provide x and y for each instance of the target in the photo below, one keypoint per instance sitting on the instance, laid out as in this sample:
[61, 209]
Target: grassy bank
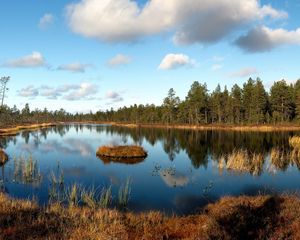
[10, 131]
[224, 127]
[260, 217]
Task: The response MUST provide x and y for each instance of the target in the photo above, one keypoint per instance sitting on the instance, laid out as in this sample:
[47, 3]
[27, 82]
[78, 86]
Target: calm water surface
[182, 172]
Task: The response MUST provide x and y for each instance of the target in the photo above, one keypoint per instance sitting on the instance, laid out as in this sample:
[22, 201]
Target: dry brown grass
[294, 142]
[11, 131]
[279, 160]
[260, 217]
[242, 161]
[122, 151]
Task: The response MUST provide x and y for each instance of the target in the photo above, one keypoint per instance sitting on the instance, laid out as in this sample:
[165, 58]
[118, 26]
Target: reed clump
[295, 142]
[76, 195]
[242, 161]
[26, 171]
[279, 159]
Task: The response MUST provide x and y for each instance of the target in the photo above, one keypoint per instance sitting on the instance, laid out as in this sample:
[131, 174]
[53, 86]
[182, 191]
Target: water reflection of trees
[199, 145]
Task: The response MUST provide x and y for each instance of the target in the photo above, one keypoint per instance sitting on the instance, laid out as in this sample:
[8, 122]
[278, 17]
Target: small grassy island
[3, 157]
[123, 154]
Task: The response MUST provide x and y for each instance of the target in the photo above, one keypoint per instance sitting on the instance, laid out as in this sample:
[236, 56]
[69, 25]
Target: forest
[249, 104]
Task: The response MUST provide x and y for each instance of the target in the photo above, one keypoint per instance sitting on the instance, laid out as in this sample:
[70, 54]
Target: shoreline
[253, 128]
[14, 130]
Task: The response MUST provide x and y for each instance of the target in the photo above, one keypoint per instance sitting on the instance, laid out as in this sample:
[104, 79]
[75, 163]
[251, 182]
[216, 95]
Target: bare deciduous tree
[3, 88]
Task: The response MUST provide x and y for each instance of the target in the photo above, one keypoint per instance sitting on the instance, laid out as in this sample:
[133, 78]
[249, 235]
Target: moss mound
[122, 152]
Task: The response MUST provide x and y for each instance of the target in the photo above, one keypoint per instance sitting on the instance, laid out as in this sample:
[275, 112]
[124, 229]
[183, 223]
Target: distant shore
[13, 130]
[224, 127]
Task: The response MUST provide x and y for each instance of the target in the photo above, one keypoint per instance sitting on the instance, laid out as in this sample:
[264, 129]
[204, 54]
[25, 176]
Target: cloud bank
[125, 21]
[33, 60]
[262, 39]
[70, 92]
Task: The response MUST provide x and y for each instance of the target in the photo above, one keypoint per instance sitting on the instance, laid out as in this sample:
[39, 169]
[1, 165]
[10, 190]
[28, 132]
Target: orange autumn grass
[11, 131]
[122, 151]
[259, 217]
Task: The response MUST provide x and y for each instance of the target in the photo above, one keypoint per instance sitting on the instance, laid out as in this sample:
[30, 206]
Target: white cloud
[191, 21]
[85, 91]
[119, 59]
[173, 61]
[216, 67]
[71, 92]
[262, 39]
[74, 67]
[35, 59]
[244, 72]
[54, 93]
[114, 97]
[46, 21]
[29, 91]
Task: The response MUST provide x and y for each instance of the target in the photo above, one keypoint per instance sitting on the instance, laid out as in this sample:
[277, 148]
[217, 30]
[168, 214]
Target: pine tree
[236, 98]
[281, 99]
[197, 101]
[297, 98]
[216, 105]
[170, 104]
[248, 100]
[260, 100]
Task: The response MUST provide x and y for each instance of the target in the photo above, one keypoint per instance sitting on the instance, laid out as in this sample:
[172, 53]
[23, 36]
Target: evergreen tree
[197, 101]
[297, 98]
[236, 110]
[260, 103]
[170, 105]
[216, 105]
[281, 99]
[248, 101]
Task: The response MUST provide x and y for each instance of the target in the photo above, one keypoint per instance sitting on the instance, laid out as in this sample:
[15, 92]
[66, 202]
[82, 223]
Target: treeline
[249, 104]
[13, 116]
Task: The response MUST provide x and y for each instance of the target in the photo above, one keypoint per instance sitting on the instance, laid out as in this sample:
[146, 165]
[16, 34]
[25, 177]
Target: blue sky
[89, 54]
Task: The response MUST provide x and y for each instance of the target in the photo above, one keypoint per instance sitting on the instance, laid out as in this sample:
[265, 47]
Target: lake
[184, 170]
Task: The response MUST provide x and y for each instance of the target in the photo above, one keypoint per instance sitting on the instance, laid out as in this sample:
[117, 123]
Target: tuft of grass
[105, 198]
[124, 193]
[73, 195]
